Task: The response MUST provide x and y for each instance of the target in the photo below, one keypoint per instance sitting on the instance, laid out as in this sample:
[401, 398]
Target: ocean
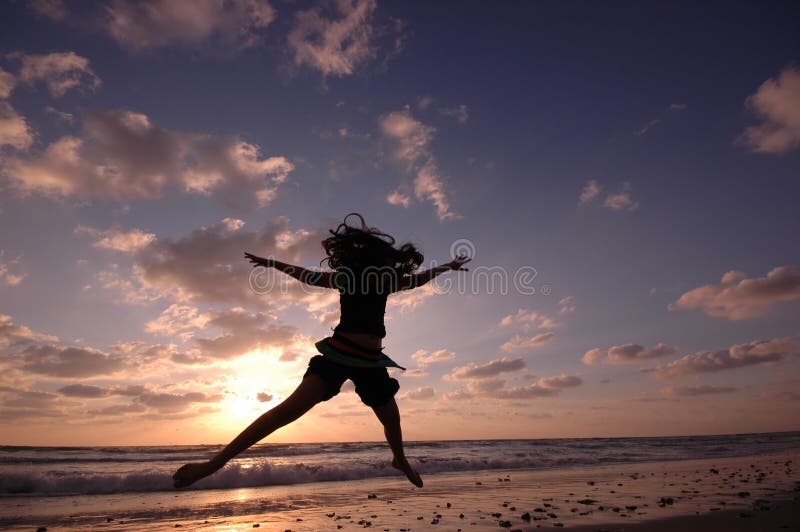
[71, 471]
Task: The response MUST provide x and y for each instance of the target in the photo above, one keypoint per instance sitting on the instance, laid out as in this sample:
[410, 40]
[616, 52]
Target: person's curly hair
[358, 248]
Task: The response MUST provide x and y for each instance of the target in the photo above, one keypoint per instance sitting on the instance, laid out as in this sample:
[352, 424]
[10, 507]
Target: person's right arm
[312, 277]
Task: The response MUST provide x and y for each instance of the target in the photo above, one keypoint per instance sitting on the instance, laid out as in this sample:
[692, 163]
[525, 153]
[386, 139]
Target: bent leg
[310, 392]
[389, 416]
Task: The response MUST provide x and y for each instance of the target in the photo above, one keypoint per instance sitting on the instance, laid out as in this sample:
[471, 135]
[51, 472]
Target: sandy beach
[743, 493]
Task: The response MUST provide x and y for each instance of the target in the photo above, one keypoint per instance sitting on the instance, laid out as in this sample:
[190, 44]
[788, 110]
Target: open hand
[258, 261]
[458, 263]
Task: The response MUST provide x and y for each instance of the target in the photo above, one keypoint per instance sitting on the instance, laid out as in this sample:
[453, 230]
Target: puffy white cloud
[420, 394]
[208, 265]
[737, 356]
[118, 239]
[409, 141]
[736, 297]
[777, 104]
[491, 369]
[177, 319]
[14, 129]
[410, 136]
[497, 389]
[627, 353]
[159, 23]
[60, 71]
[122, 155]
[519, 342]
[529, 319]
[334, 45]
[426, 358]
[399, 197]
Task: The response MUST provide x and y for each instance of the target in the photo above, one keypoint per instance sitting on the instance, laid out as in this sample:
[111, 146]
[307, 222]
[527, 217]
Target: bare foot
[409, 471]
[191, 473]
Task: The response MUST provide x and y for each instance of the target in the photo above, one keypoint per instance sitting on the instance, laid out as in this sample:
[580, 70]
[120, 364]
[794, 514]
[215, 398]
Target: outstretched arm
[419, 279]
[304, 275]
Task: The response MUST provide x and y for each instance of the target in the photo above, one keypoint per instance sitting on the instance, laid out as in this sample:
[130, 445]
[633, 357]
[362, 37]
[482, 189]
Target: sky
[624, 175]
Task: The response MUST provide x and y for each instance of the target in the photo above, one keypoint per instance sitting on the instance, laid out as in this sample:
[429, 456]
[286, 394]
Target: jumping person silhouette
[366, 269]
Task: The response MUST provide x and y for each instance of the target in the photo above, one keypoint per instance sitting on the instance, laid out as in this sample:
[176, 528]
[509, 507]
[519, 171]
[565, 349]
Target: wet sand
[744, 493]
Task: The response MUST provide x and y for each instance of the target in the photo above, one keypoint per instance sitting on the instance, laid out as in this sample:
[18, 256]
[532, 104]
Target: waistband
[348, 353]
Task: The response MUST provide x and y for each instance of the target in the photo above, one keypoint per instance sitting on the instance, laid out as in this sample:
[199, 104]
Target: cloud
[590, 191]
[737, 298]
[428, 185]
[399, 197]
[460, 113]
[177, 319]
[59, 71]
[264, 397]
[566, 305]
[158, 23]
[411, 137]
[496, 388]
[694, 391]
[783, 395]
[7, 84]
[122, 155]
[644, 129]
[11, 273]
[488, 370]
[86, 391]
[244, 332]
[627, 354]
[68, 362]
[208, 265]
[677, 106]
[529, 319]
[420, 394]
[738, 356]
[12, 334]
[409, 141]
[52, 9]
[777, 104]
[60, 115]
[519, 343]
[14, 129]
[426, 358]
[117, 239]
[334, 45]
[176, 402]
[621, 201]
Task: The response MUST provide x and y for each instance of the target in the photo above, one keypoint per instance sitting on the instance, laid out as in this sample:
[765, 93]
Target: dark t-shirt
[362, 298]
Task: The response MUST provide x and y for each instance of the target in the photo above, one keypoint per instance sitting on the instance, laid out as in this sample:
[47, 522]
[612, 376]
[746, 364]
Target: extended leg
[389, 416]
[309, 393]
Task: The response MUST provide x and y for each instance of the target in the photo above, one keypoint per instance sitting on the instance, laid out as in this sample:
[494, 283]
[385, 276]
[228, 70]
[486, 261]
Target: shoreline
[705, 494]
